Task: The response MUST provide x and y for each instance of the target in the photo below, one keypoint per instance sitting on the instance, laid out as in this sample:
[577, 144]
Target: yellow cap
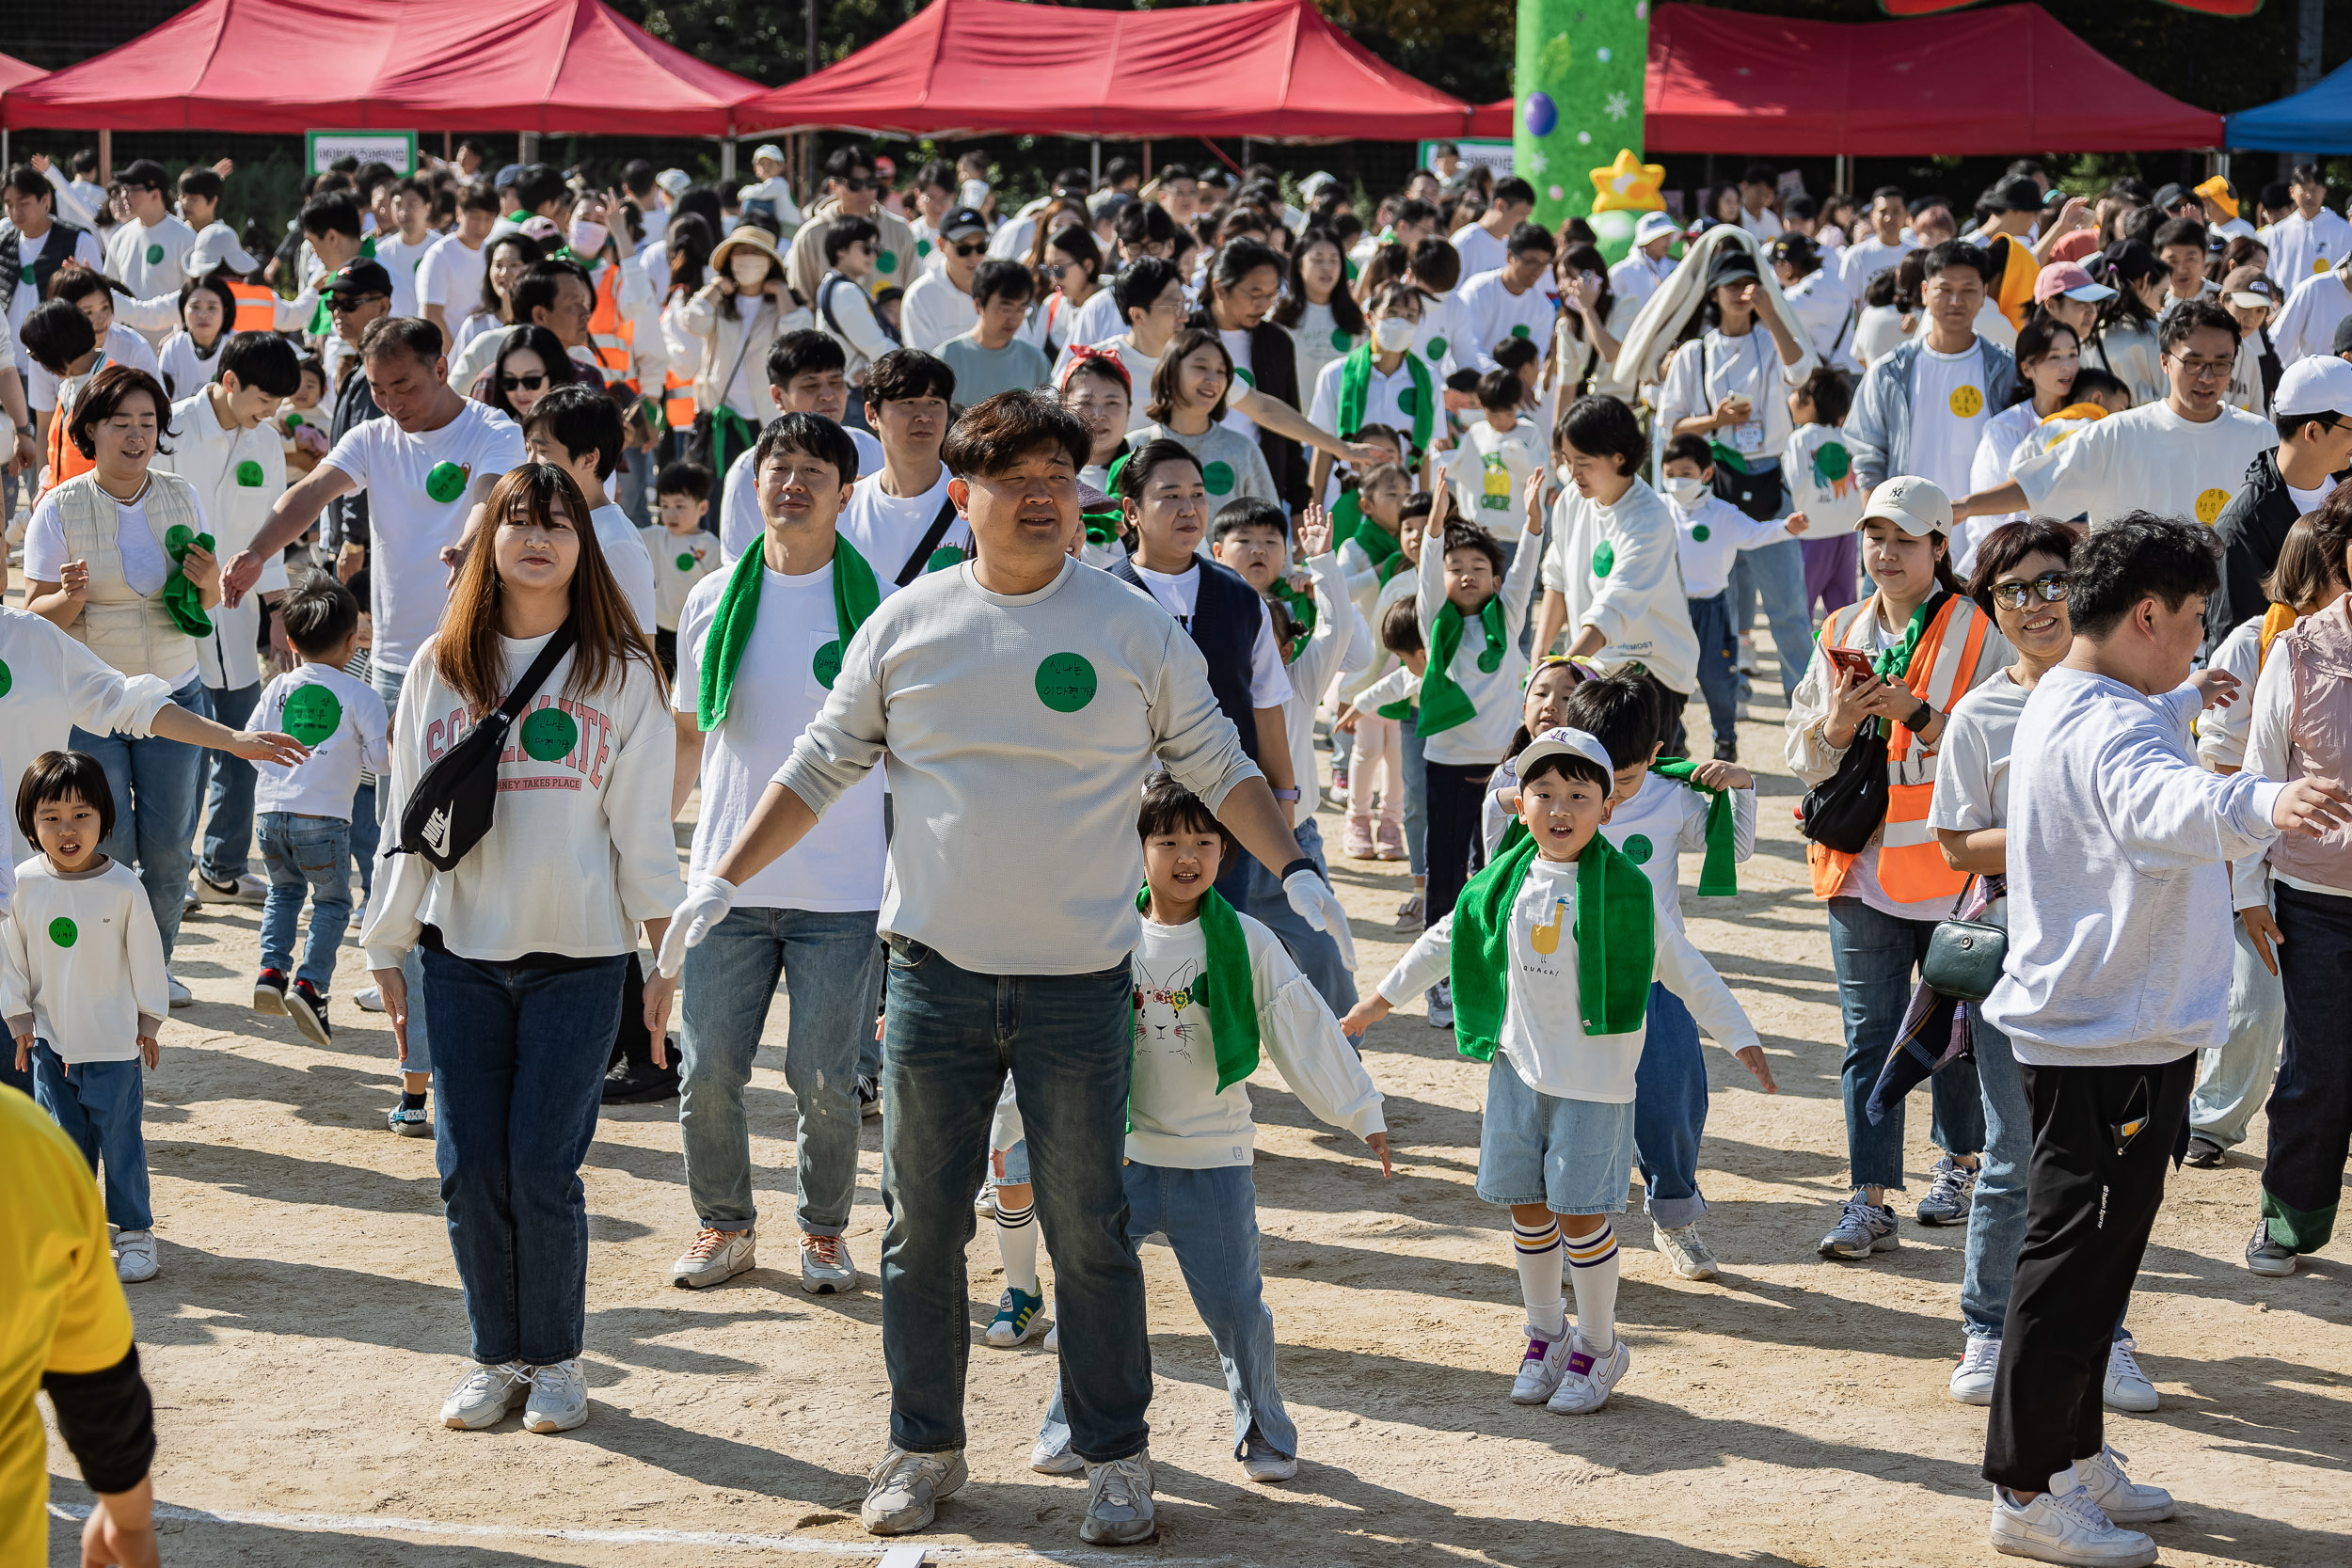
[2216, 190]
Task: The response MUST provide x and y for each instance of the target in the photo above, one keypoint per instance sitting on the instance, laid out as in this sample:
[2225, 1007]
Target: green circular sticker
[1434, 348]
[1604, 557]
[249, 474]
[312, 714]
[64, 932]
[1341, 341]
[1406, 403]
[154, 255]
[1245, 375]
[1519, 330]
[827, 663]
[8, 678]
[922, 248]
[1218, 477]
[887, 263]
[446, 483]
[686, 561]
[943, 557]
[1699, 533]
[1832, 461]
[293, 421]
[1638, 848]
[549, 733]
[1065, 682]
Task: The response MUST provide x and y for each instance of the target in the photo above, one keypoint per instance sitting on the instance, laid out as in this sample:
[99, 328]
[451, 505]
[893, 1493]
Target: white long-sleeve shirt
[239, 475]
[1176, 1117]
[55, 683]
[581, 849]
[1620, 569]
[2307, 322]
[1482, 738]
[81, 961]
[1341, 641]
[2118, 887]
[1712, 534]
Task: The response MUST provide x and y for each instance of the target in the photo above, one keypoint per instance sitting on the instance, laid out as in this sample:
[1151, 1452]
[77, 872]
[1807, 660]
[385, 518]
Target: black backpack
[450, 808]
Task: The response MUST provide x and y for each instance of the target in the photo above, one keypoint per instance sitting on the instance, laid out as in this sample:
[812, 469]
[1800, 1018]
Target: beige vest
[131, 632]
[2318, 649]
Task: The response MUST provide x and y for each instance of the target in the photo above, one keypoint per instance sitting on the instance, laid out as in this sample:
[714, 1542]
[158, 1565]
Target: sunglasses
[975, 248]
[2051, 586]
[523, 383]
[859, 184]
[338, 304]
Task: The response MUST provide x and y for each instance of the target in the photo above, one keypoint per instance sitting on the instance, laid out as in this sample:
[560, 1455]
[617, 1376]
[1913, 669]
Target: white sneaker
[2127, 1387]
[2122, 1499]
[135, 1255]
[181, 995]
[1262, 1464]
[1118, 1502]
[1980, 1364]
[559, 1398]
[246, 889]
[485, 1397]
[1046, 1460]
[1053, 1337]
[1541, 1369]
[1686, 1251]
[368, 999]
[1590, 1379]
[826, 1266]
[715, 1256]
[903, 1491]
[2066, 1528]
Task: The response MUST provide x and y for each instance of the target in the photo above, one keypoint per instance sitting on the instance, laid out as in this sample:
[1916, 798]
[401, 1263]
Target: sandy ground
[308, 1322]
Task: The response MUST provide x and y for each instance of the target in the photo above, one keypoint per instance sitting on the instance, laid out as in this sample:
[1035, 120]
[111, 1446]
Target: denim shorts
[1016, 1167]
[1572, 1156]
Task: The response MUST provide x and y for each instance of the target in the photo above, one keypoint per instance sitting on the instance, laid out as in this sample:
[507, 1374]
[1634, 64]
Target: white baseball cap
[674, 181]
[1567, 743]
[217, 246]
[767, 149]
[1917, 506]
[2316, 384]
[1651, 226]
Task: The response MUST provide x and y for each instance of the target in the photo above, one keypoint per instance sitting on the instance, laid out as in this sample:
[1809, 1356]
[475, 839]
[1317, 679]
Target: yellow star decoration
[1627, 186]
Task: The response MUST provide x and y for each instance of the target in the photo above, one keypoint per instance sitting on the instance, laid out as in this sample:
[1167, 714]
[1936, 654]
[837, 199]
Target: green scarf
[182, 598]
[856, 595]
[1890, 665]
[1443, 705]
[1355, 386]
[731, 435]
[1231, 993]
[1102, 526]
[1379, 547]
[1717, 878]
[1302, 609]
[1616, 934]
[1347, 515]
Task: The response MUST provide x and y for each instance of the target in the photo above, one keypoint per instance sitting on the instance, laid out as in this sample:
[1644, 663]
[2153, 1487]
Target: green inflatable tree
[1578, 87]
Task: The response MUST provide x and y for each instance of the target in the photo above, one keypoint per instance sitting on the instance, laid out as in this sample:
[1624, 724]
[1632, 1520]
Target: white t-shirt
[1832, 501]
[679, 561]
[1972, 762]
[1947, 415]
[739, 522]
[2307, 324]
[1494, 313]
[399, 258]
[1238, 347]
[1178, 592]
[777, 692]
[123, 347]
[344, 723]
[629, 561]
[183, 370]
[1749, 365]
[408, 526]
[1479, 249]
[1867, 258]
[22, 302]
[934, 310]
[1878, 331]
[144, 565]
[2300, 247]
[1448, 340]
[1316, 340]
[1488, 470]
[450, 275]
[147, 261]
[1764, 225]
[2146, 458]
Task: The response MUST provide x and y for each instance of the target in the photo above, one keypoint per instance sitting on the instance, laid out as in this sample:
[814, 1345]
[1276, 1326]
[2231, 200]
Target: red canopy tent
[278, 66]
[1275, 69]
[2008, 80]
[15, 72]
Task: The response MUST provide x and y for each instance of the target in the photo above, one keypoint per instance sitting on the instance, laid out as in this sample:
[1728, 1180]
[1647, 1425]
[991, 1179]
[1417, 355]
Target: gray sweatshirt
[1019, 732]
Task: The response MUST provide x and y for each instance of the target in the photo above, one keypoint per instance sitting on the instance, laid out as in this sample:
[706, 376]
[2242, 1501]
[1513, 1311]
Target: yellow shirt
[62, 1308]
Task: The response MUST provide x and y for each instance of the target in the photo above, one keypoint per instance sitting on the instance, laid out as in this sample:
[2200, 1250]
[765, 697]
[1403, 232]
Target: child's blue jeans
[303, 854]
[366, 834]
[99, 1104]
[1719, 656]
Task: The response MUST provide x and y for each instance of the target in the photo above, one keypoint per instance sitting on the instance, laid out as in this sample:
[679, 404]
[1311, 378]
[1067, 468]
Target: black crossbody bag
[450, 808]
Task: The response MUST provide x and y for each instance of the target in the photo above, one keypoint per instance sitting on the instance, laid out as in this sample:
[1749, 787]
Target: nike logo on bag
[436, 832]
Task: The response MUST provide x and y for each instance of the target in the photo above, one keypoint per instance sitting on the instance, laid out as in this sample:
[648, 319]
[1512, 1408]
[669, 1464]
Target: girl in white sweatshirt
[527, 938]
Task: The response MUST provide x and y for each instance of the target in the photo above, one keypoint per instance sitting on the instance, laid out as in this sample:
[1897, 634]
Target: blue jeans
[366, 834]
[1670, 1111]
[1719, 663]
[1877, 958]
[1316, 955]
[228, 796]
[154, 785]
[1775, 575]
[1416, 794]
[303, 854]
[1067, 1041]
[1209, 1218]
[2235, 1077]
[519, 1081]
[420, 1058]
[99, 1104]
[831, 965]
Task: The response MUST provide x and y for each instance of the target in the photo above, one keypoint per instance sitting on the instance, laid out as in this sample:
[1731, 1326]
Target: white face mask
[1685, 489]
[748, 268]
[588, 238]
[1394, 334]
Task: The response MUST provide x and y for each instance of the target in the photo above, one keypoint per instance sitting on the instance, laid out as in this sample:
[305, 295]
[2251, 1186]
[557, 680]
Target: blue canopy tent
[2318, 120]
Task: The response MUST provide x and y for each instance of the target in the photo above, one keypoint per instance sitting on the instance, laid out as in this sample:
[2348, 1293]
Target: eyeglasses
[523, 383]
[858, 185]
[338, 304]
[2206, 367]
[975, 248]
[2051, 586]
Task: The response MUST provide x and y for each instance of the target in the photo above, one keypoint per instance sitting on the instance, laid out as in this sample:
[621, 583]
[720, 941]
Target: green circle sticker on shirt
[1833, 462]
[1341, 341]
[1244, 374]
[1520, 331]
[1638, 848]
[1065, 682]
[64, 932]
[1218, 477]
[549, 733]
[293, 421]
[312, 714]
[827, 664]
[1406, 403]
[922, 248]
[446, 483]
[1434, 348]
[249, 474]
[1699, 533]
[1604, 557]
[686, 561]
[154, 255]
[943, 557]
[8, 678]
[887, 263]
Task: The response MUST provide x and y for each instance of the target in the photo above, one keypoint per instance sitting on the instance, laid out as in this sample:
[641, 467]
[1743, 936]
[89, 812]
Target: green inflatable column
[1578, 85]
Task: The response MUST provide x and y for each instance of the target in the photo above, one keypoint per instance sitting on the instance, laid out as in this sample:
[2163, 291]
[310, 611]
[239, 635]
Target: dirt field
[307, 1323]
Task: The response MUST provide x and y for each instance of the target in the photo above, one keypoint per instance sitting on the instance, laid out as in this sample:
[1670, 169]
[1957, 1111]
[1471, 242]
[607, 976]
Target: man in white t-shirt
[579, 429]
[1516, 301]
[1756, 189]
[1483, 245]
[938, 305]
[1921, 409]
[148, 255]
[1884, 246]
[2319, 303]
[809, 916]
[38, 245]
[2310, 239]
[2183, 457]
[449, 276]
[401, 252]
[806, 375]
[899, 515]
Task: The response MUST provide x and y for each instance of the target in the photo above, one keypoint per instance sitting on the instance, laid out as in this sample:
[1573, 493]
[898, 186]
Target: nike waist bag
[452, 805]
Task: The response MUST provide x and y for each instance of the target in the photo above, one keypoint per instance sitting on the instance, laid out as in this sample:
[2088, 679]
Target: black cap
[144, 174]
[1732, 265]
[962, 220]
[2176, 194]
[2343, 341]
[358, 277]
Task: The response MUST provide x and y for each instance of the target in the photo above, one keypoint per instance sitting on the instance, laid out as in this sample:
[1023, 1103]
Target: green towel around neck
[1615, 933]
[182, 598]
[1102, 526]
[1443, 703]
[856, 595]
[1347, 514]
[1356, 389]
[731, 435]
[1717, 878]
[1302, 609]
[1379, 547]
[1232, 995]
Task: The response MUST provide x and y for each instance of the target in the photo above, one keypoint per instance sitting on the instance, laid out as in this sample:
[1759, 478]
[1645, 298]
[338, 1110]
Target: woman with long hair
[1323, 320]
[2124, 341]
[1187, 406]
[2048, 356]
[510, 257]
[530, 364]
[1069, 273]
[526, 940]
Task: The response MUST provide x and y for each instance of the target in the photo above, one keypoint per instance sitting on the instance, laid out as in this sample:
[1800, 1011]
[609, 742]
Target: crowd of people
[961, 561]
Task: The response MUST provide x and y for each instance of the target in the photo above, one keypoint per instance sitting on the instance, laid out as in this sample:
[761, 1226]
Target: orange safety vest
[257, 307]
[611, 335]
[64, 459]
[1910, 865]
[677, 401]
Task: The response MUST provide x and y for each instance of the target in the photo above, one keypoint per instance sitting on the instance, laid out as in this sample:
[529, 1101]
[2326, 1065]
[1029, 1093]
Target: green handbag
[1963, 960]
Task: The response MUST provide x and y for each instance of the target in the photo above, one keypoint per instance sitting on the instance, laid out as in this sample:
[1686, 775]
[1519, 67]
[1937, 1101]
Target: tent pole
[1094, 177]
[105, 157]
[1843, 178]
[1147, 162]
[727, 158]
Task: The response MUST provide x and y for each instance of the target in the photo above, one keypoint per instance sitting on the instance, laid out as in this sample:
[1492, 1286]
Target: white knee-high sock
[1016, 1244]
[1593, 1270]
[1538, 1252]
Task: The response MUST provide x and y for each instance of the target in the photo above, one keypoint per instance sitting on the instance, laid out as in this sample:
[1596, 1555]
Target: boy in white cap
[770, 187]
[1649, 263]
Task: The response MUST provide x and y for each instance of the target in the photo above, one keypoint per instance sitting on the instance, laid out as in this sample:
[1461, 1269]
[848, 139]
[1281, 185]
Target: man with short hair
[1512, 301]
[1756, 189]
[850, 190]
[1884, 246]
[992, 357]
[2311, 238]
[354, 295]
[404, 249]
[2181, 246]
[934, 197]
[1141, 229]
[449, 277]
[33, 240]
[1483, 245]
[807, 373]
[556, 294]
[1019, 698]
[938, 305]
[844, 308]
[1178, 193]
[149, 255]
[2312, 414]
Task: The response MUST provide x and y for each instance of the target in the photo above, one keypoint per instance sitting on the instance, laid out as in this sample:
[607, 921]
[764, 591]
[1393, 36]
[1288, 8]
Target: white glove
[708, 901]
[1319, 906]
